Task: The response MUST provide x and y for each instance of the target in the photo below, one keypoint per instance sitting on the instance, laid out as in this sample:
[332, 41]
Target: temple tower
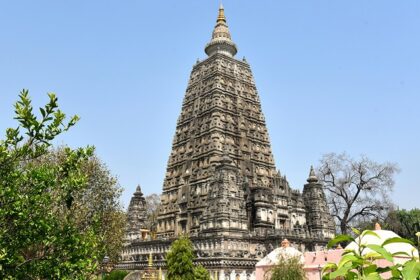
[221, 116]
[136, 217]
[221, 185]
[320, 221]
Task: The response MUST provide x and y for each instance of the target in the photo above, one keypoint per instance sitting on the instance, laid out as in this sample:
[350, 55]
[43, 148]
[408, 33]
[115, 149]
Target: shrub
[179, 260]
[287, 269]
[359, 264]
[116, 275]
[200, 273]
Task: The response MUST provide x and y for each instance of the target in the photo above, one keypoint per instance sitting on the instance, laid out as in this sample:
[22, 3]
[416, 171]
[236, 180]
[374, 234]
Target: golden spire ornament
[221, 41]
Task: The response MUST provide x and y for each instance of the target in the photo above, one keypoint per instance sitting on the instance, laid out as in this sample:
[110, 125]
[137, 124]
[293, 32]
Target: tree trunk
[343, 227]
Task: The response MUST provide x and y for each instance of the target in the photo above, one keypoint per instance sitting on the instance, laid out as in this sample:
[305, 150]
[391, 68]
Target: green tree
[200, 273]
[287, 269]
[42, 232]
[116, 275]
[179, 260]
[405, 223]
[98, 206]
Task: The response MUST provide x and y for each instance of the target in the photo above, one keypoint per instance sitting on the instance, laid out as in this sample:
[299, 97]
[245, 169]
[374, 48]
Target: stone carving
[136, 217]
[221, 184]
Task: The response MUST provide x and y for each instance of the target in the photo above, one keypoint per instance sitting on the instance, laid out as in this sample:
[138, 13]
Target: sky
[333, 76]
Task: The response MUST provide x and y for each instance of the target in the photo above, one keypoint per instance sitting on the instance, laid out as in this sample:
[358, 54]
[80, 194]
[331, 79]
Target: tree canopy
[406, 223]
[356, 189]
[52, 207]
[179, 260]
[287, 269]
[200, 273]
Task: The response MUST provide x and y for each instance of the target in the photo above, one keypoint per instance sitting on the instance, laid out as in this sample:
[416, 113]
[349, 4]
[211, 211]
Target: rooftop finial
[138, 192]
[150, 260]
[221, 16]
[312, 177]
[221, 42]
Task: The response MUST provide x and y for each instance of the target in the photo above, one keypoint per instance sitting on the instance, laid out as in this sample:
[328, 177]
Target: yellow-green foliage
[355, 264]
[287, 269]
[44, 234]
[179, 260]
[201, 273]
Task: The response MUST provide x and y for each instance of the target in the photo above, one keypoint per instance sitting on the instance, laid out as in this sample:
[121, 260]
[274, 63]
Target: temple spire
[312, 177]
[138, 191]
[221, 42]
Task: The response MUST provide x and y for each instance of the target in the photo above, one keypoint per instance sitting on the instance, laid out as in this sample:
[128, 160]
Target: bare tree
[356, 189]
[152, 207]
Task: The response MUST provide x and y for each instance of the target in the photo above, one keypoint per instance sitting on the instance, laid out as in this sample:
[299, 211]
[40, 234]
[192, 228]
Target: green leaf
[356, 231]
[411, 270]
[341, 271]
[42, 112]
[372, 276]
[349, 258]
[396, 240]
[352, 276]
[369, 232]
[339, 239]
[381, 251]
[348, 251]
[396, 273]
[401, 253]
[381, 270]
[370, 269]
[329, 266]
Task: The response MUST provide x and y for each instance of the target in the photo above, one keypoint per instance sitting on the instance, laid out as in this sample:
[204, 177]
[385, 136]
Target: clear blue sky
[333, 76]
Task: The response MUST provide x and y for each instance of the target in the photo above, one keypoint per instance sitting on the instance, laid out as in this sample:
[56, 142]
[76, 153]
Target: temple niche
[221, 185]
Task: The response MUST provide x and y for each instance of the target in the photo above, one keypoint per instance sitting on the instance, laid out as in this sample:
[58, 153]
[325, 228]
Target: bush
[201, 273]
[359, 264]
[116, 275]
[287, 269]
[179, 260]
[41, 237]
[59, 210]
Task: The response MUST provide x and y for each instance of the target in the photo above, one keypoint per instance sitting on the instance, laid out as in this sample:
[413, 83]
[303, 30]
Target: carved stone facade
[221, 184]
[136, 217]
[319, 220]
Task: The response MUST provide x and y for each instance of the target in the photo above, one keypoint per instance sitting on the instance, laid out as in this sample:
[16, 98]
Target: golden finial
[160, 274]
[150, 260]
[221, 16]
[221, 42]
